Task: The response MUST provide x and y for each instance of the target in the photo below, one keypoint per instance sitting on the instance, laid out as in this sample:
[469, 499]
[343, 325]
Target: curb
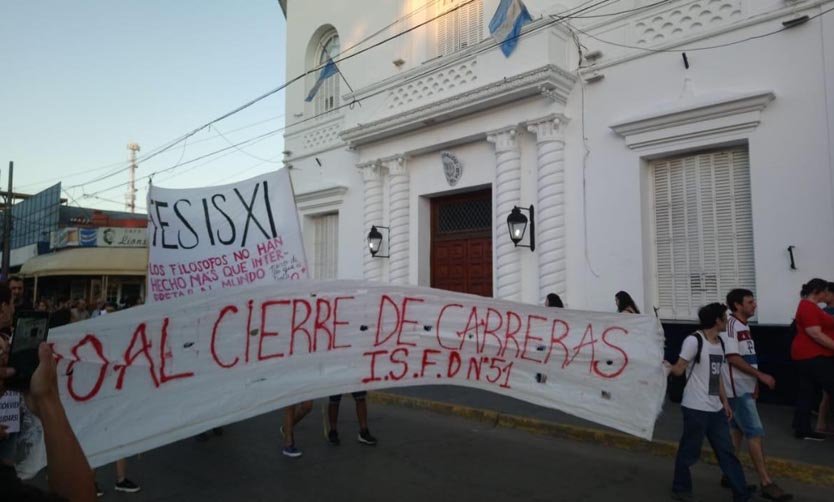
[782, 468]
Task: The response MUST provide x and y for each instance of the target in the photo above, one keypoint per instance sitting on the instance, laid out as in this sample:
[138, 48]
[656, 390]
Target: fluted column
[550, 209]
[507, 194]
[398, 185]
[372, 267]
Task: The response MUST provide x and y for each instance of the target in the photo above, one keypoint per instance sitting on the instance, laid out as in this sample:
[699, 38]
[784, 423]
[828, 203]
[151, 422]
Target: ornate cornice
[329, 196]
[523, 85]
[695, 117]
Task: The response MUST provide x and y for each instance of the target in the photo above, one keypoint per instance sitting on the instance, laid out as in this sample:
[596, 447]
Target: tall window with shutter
[703, 230]
[326, 246]
[462, 25]
[328, 96]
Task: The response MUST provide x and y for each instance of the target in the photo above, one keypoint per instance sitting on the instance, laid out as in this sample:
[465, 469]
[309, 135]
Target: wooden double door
[461, 243]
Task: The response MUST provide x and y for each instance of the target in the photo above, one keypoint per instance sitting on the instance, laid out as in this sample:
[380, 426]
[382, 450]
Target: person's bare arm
[679, 367]
[69, 473]
[738, 362]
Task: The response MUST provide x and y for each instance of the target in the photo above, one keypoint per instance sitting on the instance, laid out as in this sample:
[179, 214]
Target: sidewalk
[807, 461]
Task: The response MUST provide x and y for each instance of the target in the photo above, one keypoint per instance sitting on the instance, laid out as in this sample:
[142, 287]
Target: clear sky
[80, 80]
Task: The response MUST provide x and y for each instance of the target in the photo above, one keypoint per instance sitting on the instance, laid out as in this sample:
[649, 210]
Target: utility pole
[130, 198]
[7, 225]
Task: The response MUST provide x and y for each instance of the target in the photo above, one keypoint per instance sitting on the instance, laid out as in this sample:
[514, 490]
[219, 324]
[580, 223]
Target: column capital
[370, 170]
[396, 165]
[504, 139]
[549, 128]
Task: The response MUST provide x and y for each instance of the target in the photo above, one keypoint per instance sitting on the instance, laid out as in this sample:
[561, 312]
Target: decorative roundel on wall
[452, 168]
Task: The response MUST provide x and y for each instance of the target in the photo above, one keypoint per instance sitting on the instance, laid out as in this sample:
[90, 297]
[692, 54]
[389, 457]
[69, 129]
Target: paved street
[421, 456]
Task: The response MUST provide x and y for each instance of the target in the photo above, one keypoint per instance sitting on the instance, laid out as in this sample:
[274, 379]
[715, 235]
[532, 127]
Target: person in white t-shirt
[705, 408]
[741, 379]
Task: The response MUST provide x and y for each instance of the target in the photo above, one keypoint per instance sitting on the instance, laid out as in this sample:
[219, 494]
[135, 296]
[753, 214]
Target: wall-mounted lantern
[375, 239]
[517, 224]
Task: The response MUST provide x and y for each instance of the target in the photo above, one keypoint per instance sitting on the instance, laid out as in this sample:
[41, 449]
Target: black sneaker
[774, 492]
[366, 438]
[333, 437]
[99, 491]
[127, 486]
[810, 436]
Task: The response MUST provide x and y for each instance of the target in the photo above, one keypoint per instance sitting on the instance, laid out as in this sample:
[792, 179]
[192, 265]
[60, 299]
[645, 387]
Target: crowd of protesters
[61, 311]
[723, 380]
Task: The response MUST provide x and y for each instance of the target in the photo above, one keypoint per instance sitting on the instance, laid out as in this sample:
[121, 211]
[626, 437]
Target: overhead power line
[337, 60]
[296, 79]
[170, 144]
[373, 94]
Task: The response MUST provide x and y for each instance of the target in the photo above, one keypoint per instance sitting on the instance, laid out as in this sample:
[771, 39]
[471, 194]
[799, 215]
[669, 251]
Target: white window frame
[327, 97]
[692, 122]
[323, 201]
[706, 253]
[320, 255]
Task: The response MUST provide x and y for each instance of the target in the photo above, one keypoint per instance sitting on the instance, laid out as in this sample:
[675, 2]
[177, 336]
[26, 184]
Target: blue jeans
[713, 425]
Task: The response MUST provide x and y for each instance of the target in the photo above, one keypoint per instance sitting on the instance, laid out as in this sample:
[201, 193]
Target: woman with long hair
[625, 303]
[812, 350]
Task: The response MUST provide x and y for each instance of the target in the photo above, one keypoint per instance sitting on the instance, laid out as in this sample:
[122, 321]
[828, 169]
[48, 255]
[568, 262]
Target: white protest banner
[10, 411]
[150, 375]
[202, 239]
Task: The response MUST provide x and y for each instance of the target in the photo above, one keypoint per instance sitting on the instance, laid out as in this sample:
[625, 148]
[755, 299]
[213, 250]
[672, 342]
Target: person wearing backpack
[742, 378]
[706, 411]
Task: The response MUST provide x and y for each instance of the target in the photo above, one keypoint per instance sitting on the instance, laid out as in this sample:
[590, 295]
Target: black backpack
[677, 383]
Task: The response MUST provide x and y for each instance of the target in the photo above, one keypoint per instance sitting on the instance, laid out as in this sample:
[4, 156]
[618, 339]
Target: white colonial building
[673, 183]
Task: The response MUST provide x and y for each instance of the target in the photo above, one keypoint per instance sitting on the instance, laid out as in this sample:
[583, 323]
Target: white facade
[738, 145]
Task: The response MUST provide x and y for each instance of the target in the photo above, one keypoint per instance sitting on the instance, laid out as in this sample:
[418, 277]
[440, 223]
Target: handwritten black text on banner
[227, 236]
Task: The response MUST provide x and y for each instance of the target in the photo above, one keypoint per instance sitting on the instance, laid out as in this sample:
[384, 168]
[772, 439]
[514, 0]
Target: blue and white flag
[328, 71]
[507, 22]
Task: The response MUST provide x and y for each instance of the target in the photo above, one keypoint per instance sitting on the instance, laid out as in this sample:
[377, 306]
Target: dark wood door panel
[461, 261]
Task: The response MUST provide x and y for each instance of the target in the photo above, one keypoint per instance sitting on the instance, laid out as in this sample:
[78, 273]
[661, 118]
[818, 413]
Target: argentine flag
[328, 71]
[507, 22]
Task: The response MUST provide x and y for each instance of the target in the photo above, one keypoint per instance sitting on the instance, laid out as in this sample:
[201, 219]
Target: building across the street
[74, 252]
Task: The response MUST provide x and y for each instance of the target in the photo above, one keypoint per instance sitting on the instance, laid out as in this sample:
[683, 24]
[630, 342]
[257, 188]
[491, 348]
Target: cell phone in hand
[30, 329]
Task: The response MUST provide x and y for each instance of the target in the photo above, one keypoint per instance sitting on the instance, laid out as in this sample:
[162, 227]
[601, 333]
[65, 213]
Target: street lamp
[375, 241]
[517, 224]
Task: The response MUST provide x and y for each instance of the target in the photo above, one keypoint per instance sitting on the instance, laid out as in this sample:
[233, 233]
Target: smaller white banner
[10, 411]
[223, 237]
